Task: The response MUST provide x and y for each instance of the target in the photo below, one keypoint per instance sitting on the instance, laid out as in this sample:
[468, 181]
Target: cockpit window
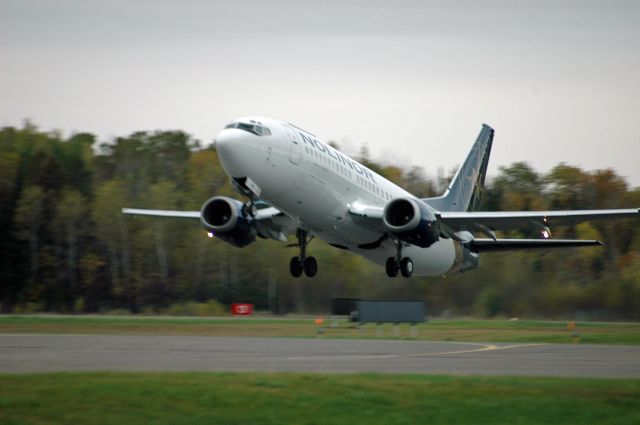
[257, 129]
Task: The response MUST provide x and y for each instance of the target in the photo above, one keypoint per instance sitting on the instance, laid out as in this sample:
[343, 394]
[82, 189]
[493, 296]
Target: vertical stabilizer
[465, 190]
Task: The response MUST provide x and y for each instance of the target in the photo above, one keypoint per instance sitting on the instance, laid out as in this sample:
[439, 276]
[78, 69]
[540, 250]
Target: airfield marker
[319, 323]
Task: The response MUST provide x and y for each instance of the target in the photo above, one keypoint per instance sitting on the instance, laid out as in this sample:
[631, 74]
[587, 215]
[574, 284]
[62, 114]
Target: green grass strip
[284, 398]
[521, 331]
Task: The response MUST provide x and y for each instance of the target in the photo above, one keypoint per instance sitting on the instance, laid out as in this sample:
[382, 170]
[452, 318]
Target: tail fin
[465, 190]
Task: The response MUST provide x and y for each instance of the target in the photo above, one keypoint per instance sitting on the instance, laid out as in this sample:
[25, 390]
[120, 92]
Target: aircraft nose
[235, 149]
[224, 141]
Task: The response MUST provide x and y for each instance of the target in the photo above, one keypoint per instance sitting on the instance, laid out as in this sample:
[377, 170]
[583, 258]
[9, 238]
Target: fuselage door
[294, 141]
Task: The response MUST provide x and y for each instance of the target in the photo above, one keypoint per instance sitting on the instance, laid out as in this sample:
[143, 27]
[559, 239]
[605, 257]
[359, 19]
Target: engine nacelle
[465, 260]
[411, 221]
[226, 219]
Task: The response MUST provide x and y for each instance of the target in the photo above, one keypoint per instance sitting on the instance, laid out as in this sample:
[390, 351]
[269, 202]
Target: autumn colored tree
[65, 246]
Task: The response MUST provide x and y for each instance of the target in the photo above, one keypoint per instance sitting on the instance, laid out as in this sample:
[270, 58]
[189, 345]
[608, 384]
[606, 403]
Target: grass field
[260, 398]
[437, 330]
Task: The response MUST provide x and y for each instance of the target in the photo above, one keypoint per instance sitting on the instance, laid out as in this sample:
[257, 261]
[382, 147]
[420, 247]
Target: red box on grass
[241, 309]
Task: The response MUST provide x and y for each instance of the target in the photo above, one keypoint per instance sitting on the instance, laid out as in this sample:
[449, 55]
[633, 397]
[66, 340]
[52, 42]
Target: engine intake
[226, 219]
[411, 221]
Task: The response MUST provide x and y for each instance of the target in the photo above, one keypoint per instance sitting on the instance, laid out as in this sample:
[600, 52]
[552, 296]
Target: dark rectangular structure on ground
[343, 306]
[390, 312]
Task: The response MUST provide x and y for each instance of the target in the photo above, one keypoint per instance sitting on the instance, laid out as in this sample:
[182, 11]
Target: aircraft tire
[310, 266]
[295, 267]
[392, 267]
[406, 267]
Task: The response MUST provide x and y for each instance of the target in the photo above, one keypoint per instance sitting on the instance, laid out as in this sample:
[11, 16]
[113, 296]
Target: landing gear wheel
[302, 263]
[406, 267]
[295, 267]
[310, 266]
[392, 267]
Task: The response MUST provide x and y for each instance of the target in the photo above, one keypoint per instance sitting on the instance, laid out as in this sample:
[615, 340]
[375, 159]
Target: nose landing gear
[398, 263]
[302, 263]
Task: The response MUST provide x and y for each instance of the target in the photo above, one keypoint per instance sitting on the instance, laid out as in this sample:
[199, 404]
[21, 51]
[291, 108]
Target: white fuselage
[317, 185]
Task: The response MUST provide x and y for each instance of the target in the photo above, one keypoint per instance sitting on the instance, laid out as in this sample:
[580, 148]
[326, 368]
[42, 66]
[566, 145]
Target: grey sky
[414, 80]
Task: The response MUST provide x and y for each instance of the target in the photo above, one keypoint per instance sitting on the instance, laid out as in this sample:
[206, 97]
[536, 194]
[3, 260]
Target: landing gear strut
[249, 208]
[303, 263]
[398, 263]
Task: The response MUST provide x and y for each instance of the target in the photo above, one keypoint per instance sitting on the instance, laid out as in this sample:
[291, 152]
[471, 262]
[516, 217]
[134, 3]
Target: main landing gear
[398, 263]
[303, 263]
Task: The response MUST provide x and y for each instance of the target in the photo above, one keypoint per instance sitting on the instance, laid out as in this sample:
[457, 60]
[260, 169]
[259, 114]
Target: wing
[274, 224]
[162, 213]
[261, 214]
[488, 222]
[488, 245]
[368, 217]
[270, 222]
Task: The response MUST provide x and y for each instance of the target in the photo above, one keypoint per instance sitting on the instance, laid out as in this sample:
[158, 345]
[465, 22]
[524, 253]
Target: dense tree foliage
[65, 246]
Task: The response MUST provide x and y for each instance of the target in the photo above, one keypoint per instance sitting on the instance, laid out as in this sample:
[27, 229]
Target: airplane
[296, 184]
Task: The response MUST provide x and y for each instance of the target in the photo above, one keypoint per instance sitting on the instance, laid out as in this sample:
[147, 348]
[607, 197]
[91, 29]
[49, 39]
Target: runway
[48, 353]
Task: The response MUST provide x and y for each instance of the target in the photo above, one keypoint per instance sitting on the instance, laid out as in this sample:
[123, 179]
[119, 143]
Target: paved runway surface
[45, 353]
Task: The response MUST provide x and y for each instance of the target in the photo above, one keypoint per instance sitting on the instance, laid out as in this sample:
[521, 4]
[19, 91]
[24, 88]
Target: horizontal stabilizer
[488, 245]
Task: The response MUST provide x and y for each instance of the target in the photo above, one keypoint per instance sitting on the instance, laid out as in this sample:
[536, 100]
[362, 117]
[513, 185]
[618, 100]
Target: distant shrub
[209, 308]
[28, 308]
[116, 312]
[79, 305]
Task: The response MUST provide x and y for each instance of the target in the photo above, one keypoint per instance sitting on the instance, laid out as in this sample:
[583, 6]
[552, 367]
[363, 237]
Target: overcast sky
[413, 80]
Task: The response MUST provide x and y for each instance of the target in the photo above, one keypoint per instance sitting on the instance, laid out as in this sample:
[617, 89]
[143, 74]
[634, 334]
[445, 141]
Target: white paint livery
[299, 185]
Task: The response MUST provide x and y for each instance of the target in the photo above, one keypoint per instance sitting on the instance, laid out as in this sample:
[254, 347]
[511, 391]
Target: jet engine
[466, 258]
[411, 221]
[228, 220]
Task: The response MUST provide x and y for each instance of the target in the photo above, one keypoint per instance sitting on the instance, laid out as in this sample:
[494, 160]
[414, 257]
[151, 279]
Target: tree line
[66, 247]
